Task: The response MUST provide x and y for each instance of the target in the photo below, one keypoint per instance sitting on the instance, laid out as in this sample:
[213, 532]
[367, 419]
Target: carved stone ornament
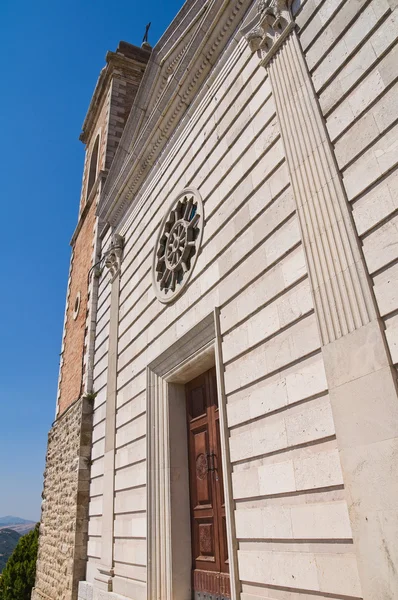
[266, 32]
[114, 257]
[177, 246]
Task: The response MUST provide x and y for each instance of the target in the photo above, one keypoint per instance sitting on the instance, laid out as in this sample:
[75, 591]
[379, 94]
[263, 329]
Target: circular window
[76, 307]
[177, 246]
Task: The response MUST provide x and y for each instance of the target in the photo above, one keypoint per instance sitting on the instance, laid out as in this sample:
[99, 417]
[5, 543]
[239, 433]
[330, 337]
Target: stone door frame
[168, 507]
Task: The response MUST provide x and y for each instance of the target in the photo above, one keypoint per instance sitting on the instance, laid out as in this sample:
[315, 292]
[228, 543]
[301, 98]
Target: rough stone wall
[75, 329]
[63, 530]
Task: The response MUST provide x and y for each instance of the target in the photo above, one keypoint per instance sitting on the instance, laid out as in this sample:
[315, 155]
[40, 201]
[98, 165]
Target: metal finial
[145, 38]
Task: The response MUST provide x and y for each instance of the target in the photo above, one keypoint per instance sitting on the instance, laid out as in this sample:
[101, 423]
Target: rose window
[178, 245]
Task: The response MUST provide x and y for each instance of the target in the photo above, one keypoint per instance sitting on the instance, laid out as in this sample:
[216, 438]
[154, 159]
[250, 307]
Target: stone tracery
[178, 245]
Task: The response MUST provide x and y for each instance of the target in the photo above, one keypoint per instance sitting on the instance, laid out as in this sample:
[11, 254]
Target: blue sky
[52, 54]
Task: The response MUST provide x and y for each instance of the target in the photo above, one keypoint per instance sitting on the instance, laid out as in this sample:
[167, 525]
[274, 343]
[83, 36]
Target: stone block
[282, 569]
[321, 521]
[380, 248]
[366, 409]
[263, 523]
[354, 355]
[379, 202]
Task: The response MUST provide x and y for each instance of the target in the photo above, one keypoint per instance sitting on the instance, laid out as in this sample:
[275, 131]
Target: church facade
[227, 416]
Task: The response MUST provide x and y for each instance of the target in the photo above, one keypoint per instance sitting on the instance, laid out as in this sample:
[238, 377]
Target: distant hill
[19, 525]
[8, 541]
[10, 520]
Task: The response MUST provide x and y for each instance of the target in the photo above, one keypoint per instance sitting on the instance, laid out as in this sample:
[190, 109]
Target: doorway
[210, 565]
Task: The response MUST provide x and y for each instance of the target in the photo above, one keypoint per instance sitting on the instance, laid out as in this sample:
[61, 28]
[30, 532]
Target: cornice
[115, 61]
[203, 50]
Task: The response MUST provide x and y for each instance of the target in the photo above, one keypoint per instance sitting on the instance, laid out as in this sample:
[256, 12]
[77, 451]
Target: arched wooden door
[210, 569]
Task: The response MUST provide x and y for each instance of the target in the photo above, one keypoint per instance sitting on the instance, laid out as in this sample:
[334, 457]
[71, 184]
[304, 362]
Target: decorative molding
[149, 140]
[268, 30]
[128, 58]
[178, 244]
[105, 574]
[168, 507]
[113, 259]
[342, 295]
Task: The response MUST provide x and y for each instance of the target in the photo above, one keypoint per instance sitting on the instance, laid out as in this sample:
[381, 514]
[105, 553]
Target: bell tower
[64, 521]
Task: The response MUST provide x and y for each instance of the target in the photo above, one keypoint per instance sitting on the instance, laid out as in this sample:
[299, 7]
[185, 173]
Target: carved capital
[269, 28]
[114, 257]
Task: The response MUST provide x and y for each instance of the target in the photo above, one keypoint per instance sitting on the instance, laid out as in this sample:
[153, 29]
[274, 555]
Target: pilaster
[106, 567]
[361, 381]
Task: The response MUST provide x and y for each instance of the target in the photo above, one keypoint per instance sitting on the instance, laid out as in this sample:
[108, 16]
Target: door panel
[208, 524]
[202, 489]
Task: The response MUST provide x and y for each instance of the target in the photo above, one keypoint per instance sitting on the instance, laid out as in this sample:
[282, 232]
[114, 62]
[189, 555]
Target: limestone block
[98, 449]
[338, 574]
[392, 337]
[98, 431]
[131, 476]
[321, 521]
[334, 29]
[131, 453]
[381, 247]
[94, 547]
[311, 423]
[97, 486]
[131, 551]
[258, 400]
[277, 315]
[366, 354]
[321, 470]
[255, 264]
[101, 380]
[99, 413]
[128, 589]
[246, 483]
[258, 439]
[359, 420]
[276, 478]
[367, 56]
[386, 290]
[377, 204]
[101, 363]
[94, 526]
[318, 22]
[263, 523]
[130, 526]
[306, 380]
[283, 569]
[349, 42]
[130, 500]
[307, 9]
[95, 506]
[290, 345]
[131, 431]
[368, 128]
[369, 167]
[131, 410]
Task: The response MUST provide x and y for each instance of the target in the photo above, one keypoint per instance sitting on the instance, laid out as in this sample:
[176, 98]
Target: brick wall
[75, 329]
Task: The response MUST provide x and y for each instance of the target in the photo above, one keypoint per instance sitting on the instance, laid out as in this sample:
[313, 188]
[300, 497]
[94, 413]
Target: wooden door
[210, 570]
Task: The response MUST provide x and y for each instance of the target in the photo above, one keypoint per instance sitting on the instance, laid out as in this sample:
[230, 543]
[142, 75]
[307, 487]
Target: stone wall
[283, 451]
[63, 530]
